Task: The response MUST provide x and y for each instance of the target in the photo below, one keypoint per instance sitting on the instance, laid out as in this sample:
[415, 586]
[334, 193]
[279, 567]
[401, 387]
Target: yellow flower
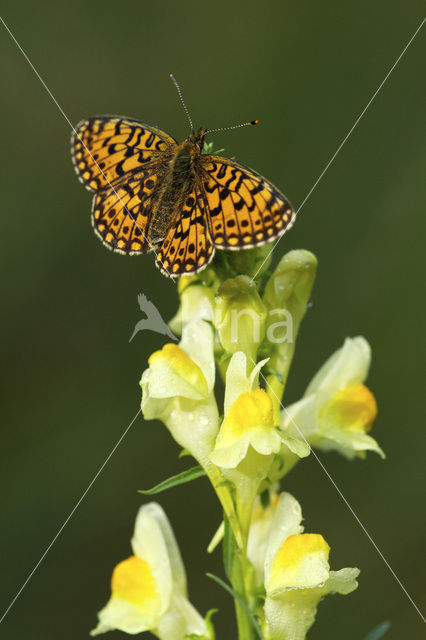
[178, 386]
[355, 407]
[282, 512]
[297, 574]
[185, 370]
[133, 581]
[337, 409]
[148, 589]
[249, 422]
[174, 358]
[293, 565]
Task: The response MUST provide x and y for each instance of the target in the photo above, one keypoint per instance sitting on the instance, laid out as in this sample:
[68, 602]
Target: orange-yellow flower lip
[181, 364]
[354, 408]
[251, 409]
[133, 581]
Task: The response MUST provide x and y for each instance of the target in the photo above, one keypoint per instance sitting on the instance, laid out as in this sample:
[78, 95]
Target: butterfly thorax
[178, 183]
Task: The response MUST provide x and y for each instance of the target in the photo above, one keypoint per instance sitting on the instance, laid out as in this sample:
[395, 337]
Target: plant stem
[235, 560]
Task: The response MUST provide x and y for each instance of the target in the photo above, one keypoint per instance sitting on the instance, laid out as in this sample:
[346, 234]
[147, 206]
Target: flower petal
[300, 563]
[286, 522]
[154, 541]
[349, 365]
[249, 421]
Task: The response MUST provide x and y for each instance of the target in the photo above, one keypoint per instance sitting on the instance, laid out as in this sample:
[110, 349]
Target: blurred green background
[70, 377]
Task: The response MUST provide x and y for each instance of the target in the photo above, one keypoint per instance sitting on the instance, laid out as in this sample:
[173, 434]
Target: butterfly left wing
[187, 247]
[122, 213]
[245, 209]
[105, 148]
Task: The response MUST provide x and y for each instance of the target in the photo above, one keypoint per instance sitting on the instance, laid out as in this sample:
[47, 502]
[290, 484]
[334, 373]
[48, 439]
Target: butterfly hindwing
[105, 148]
[187, 247]
[121, 214]
[245, 209]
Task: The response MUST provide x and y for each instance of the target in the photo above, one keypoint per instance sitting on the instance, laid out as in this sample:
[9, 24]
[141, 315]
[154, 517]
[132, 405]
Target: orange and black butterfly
[152, 193]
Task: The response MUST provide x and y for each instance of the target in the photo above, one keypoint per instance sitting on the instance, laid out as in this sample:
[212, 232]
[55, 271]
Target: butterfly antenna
[235, 126]
[175, 82]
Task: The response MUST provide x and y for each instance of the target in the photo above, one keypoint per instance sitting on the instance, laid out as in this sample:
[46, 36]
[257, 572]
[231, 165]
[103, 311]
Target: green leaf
[209, 623]
[235, 595]
[181, 478]
[379, 631]
[207, 147]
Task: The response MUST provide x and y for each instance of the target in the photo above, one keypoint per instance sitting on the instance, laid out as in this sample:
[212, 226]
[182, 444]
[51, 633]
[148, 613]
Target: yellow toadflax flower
[297, 574]
[177, 388]
[248, 440]
[248, 425]
[282, 512]
[337, 409]
[148, 589]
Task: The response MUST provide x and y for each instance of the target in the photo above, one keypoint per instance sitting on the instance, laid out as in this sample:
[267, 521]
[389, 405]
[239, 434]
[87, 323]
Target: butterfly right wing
[105, 148]
[187, 247]
[122, 213]
[245, 209]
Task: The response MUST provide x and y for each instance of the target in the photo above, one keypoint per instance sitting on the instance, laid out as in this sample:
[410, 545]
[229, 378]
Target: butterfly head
[197, 138]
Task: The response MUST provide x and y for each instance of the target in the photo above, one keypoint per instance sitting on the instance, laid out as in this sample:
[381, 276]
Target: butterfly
[152, 193]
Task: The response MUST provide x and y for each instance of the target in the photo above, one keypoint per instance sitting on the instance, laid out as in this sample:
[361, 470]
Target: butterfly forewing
[245, 209]
[187, 247]
[106, 148]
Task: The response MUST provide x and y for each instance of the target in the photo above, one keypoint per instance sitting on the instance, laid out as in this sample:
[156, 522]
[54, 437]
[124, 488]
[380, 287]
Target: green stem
[244, 624]
[224, 495]
[235, 561]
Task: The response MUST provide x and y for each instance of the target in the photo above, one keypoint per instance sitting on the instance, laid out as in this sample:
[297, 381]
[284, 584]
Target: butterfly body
[176, 186]
[152, 193]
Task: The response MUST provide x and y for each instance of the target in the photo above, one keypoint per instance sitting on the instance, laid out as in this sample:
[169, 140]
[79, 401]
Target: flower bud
[240, 316]
[286, 297]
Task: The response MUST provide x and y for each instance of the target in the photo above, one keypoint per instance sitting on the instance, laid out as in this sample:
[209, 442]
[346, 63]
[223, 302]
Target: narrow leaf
[218, 536]
[181, 478]
[240, 600]
[378, 632]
